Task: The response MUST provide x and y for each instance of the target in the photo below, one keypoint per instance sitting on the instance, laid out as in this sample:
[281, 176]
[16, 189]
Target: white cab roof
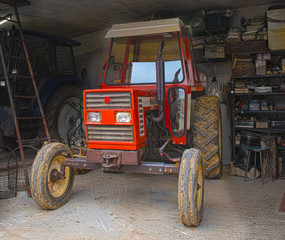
[145, 28]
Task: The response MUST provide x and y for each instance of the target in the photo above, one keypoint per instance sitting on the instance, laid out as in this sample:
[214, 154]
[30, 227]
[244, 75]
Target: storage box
[215, 22]
[254, 106]
[244, 124]
[267, 56]
[276, 19]
[246, 47]
[214, 51]
[264, 105]
[276, 39]
[260, 66]
[278, 124]
[244, 67]
[259, 56]
[267, 89]
[261, 124]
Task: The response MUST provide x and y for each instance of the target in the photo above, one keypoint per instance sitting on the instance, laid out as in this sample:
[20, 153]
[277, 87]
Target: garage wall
[92, 55]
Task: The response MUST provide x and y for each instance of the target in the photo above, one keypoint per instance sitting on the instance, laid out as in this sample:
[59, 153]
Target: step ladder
[12, 50]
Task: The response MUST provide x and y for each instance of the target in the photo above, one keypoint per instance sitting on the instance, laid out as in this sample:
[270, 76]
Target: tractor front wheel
[191, 188]
[50, 191]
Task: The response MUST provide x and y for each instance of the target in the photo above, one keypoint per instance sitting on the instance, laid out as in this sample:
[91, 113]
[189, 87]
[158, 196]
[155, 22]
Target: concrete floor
[133, 206]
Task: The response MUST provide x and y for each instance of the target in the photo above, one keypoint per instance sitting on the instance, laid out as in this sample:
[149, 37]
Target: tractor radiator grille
[110, 133]
[108, 100]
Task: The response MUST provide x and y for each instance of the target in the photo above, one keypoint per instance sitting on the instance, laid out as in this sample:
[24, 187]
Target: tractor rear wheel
[62, 112]
[48, 190]
[207, 134]
[191, 188]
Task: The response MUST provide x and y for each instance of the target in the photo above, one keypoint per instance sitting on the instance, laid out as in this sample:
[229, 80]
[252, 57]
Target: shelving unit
[242, 95]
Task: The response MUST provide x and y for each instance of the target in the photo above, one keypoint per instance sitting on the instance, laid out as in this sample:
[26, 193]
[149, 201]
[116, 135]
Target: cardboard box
[260, 66]
[276, 19]
[260, 124]
[276, 39]
[267, 56]
[267, 89]
[254, 106]
[246, 47]
[214, 51]
[244, 67]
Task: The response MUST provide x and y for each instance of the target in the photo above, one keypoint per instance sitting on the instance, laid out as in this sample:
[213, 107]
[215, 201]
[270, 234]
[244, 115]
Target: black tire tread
[206, 134]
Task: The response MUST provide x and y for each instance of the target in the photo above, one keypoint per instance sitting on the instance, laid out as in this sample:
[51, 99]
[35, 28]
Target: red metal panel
[108, 118]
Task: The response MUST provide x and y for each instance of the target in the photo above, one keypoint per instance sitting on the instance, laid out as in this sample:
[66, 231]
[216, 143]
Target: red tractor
[140, 120]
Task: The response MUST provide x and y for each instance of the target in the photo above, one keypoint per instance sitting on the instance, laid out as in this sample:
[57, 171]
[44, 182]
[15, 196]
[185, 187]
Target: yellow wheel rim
[58, 188]
[200, 186]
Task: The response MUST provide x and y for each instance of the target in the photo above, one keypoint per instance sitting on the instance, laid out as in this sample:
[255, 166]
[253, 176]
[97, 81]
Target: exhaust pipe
[160, 84]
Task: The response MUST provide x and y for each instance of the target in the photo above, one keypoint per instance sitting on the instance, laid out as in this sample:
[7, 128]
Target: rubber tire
[188, 203]
[39, 177]
[207, 134]
[54, 105]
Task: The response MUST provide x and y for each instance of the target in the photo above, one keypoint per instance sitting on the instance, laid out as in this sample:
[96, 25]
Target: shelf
[243, 91]
[273, 52]
[259, 112]
[267, 130]
[260, 94]
[259, 76]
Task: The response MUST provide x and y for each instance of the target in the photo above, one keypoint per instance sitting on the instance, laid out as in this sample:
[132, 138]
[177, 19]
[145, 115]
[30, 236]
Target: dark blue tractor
[59, 86]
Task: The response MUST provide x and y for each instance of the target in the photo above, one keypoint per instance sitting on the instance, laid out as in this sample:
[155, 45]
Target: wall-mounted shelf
[259, 112]
[265, 130]
[259, 76]
[260, 94]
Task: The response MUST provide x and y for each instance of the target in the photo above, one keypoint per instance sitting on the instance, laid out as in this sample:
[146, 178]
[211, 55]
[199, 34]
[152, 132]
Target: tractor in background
[59, 87]
[140, 120]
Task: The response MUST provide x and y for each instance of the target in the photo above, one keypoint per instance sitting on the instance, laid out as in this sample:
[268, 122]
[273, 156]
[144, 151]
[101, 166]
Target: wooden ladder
[11, 74]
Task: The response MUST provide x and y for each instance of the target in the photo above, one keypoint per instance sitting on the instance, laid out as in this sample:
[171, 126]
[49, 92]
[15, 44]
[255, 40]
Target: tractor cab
[132, 63]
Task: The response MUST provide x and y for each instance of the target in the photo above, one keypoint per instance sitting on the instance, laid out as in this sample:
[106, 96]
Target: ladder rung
[18, 96]
[13, 56]
[29, 118]
[34, 140]
[21, 76]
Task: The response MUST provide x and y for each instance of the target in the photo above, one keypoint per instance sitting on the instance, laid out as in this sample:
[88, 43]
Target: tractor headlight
[94, 117]
[123, 117]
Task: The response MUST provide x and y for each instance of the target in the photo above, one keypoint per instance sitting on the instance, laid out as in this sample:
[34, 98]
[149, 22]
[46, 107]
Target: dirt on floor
[136, 206]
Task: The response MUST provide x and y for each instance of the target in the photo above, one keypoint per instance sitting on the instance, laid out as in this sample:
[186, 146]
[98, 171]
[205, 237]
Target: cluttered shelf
[263, 130]
[257, 91]
[260, 94]
[260, 112]
[259, 76]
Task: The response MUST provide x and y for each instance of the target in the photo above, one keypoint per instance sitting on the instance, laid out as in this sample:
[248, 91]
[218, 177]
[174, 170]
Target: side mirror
[84, 74]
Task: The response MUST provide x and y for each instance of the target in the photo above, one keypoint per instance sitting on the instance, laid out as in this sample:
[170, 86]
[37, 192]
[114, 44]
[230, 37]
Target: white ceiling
[72, 18]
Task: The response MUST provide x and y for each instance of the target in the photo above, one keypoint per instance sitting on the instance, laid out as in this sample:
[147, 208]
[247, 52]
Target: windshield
[133, 60]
